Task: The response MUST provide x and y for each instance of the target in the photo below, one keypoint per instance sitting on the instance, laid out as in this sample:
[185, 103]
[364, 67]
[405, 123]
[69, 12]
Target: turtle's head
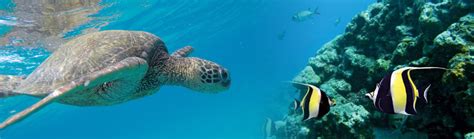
[209, 76]
[196, 74]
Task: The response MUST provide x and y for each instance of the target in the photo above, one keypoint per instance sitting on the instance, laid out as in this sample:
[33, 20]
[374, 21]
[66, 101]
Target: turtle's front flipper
[183, 52]
[8, 83]
[132, 67]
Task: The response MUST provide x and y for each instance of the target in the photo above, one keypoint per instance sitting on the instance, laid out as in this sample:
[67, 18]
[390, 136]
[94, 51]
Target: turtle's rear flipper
[132, 67]
[183, 52]
[8, 84]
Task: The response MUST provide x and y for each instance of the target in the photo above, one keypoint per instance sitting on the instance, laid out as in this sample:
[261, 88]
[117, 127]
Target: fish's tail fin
[316, 11]
[425, 93]
[8, 84]
[296, 104]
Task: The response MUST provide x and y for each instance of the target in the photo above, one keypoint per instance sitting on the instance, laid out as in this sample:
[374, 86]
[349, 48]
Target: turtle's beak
[226, 83]
[225, 77]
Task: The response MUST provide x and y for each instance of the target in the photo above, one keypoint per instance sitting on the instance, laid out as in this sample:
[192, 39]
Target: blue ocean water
[242, 35]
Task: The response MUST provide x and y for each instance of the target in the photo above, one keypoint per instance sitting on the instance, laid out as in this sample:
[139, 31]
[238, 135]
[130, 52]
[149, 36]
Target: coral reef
[469, 135]
[389, 35]
[348, 118]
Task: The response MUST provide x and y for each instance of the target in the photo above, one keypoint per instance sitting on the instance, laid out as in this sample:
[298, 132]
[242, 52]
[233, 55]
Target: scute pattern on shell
[90, 53]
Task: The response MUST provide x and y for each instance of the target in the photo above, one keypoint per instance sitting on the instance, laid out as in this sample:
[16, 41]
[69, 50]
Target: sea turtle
[111, 67]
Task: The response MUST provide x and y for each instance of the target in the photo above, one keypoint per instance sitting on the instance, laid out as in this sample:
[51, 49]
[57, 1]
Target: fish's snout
[370, 95]
[332, 102]
[294, 17]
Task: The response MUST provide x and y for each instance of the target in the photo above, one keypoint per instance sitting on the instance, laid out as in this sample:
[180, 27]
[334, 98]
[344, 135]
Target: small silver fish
[281, 35]
[305, 15]
[338, 20]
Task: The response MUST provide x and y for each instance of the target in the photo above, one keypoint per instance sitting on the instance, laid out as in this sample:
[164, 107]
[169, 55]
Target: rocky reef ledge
[391, 34]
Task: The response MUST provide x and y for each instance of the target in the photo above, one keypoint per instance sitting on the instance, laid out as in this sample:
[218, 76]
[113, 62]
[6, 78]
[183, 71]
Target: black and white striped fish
[397, 94]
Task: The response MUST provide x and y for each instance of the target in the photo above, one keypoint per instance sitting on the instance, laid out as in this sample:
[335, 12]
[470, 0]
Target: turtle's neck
[169, 71]
[175, 71]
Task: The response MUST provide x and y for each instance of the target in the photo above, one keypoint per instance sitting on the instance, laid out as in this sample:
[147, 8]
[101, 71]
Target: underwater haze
[344, 49]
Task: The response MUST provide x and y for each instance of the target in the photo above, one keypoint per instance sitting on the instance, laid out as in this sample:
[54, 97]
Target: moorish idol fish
[315, 103]
[397, 94]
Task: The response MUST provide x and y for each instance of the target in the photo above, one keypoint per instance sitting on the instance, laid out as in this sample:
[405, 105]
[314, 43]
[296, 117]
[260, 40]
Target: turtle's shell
[89, 53]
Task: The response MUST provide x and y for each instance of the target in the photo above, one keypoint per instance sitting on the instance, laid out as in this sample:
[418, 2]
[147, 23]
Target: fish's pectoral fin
[131, 68]
[183, 52]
